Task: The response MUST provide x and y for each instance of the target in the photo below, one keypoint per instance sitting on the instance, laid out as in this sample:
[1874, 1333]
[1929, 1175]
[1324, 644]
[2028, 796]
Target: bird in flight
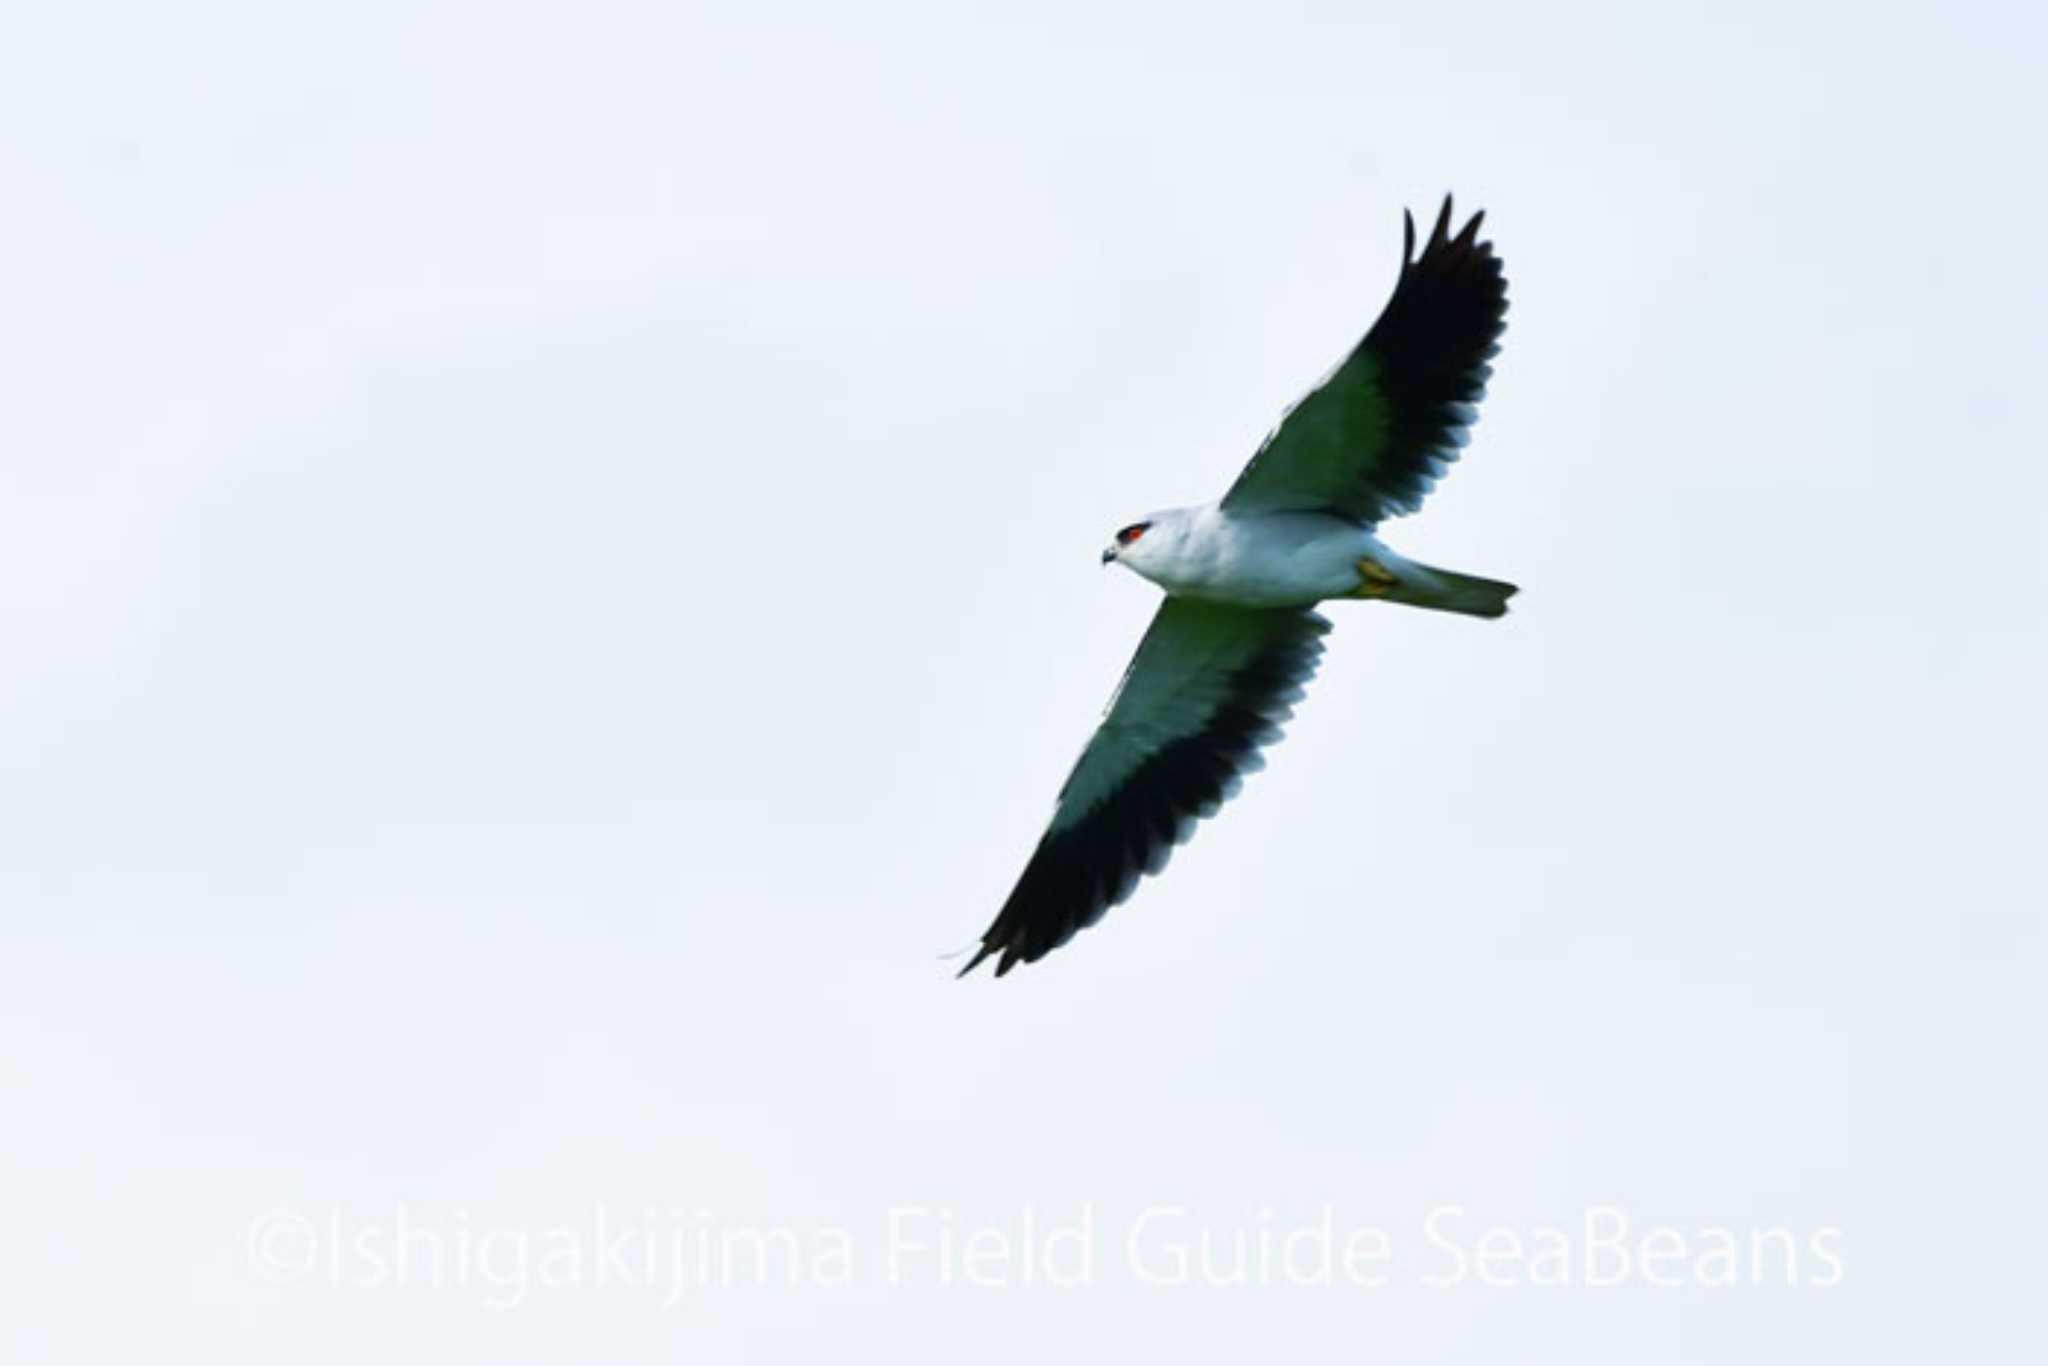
[1236, 641]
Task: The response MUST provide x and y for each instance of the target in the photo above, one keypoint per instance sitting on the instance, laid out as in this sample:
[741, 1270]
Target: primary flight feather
[1235, 642]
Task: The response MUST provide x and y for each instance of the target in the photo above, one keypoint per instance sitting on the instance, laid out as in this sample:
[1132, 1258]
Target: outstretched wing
[1374, 438]
[1210, 685]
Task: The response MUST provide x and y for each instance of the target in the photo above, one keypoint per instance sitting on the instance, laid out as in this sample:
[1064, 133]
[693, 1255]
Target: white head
[1148, 547]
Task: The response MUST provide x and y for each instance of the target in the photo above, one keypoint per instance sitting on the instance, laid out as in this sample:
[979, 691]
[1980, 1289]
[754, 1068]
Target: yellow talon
[1378, 580]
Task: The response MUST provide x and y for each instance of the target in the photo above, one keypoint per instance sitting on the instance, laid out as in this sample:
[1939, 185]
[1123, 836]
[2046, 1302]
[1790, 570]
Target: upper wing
[1209, 686]
[1375, 437]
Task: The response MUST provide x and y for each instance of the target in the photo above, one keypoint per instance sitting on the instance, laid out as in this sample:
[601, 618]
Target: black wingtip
[1440, 238]
[1441, 232]
[1010, 958]
[1443, 246]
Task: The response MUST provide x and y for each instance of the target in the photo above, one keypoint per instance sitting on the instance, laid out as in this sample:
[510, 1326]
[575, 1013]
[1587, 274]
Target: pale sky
[548, 572]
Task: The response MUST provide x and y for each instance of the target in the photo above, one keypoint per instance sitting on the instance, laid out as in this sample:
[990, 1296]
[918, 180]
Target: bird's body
[1274, 559]
[1285, 559]
[1235, 642]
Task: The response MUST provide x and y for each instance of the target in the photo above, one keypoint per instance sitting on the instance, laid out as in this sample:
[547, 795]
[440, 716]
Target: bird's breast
[1278, 560]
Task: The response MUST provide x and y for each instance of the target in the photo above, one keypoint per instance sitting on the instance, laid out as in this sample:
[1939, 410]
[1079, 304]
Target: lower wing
[1209, 687]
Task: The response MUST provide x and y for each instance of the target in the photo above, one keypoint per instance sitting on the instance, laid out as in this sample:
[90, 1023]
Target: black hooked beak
[1108, 554]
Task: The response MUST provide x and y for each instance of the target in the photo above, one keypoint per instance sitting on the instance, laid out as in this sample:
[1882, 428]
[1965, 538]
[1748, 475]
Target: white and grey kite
[1235, 641]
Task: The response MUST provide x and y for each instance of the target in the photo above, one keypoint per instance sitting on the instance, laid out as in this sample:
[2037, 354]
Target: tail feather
[1446, 590]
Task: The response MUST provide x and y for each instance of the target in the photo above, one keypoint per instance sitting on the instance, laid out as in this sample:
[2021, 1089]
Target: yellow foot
[1376, 580]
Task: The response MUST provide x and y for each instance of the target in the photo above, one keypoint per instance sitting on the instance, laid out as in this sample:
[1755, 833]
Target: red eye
[1131, 533]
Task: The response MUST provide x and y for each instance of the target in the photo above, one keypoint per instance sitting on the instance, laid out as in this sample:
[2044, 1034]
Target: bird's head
[1143, 547]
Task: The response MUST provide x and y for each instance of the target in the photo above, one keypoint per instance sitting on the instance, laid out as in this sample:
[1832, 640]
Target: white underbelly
[1274, 561]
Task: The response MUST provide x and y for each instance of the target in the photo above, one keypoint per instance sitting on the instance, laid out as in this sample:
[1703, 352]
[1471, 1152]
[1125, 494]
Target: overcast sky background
[548, 571]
